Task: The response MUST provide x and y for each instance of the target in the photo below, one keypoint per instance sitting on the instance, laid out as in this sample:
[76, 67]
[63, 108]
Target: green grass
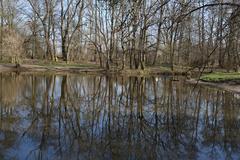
[220, 77]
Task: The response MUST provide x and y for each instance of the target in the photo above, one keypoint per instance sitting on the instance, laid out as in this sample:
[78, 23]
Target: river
[48, 116]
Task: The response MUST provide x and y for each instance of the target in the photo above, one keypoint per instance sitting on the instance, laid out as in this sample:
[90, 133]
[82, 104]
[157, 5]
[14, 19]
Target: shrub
[12, 45]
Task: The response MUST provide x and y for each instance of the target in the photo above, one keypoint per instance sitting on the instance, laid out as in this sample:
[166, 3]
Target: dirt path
[225, 86]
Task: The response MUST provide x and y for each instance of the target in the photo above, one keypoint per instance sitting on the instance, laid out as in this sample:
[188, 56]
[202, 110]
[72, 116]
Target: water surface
[99, 117]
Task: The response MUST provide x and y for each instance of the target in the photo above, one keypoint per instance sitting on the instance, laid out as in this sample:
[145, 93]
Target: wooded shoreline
[122, 34]
[89, 70]
[54, 69]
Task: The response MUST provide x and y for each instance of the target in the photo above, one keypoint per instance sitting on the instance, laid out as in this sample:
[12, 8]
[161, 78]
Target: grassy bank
[58, 67]
[221, 77]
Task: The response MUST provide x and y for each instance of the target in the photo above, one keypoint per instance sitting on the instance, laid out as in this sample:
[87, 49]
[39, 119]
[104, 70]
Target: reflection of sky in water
[129, 118]
[57, 90]
[24, 149]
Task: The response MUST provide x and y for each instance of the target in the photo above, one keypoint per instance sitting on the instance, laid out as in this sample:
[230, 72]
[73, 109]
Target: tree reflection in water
[99, 117]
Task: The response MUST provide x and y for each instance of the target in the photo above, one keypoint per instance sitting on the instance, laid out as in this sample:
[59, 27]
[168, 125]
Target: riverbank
[50, 68]
[88, 69]
[228, 86]
[221, 77]
[91, 69]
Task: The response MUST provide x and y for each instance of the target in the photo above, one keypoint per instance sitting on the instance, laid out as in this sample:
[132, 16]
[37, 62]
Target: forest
[123, 33]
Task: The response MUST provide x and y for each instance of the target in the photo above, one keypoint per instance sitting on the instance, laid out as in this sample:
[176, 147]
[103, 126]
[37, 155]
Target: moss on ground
[221, 77]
